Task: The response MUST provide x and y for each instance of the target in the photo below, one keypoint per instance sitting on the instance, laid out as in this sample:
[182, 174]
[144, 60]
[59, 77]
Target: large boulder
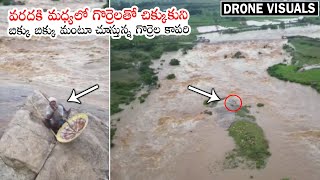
[28, 150]
[8, 173]
[223, 117]
[83, 159]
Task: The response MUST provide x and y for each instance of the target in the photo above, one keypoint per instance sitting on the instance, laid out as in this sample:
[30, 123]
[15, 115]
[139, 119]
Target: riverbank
[131, 60]
[305, 53]
[169, 135]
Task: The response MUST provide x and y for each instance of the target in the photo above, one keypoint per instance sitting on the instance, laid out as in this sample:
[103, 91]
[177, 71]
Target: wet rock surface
[28, 150]
[53, 66]
[12, 98]
[223, 118]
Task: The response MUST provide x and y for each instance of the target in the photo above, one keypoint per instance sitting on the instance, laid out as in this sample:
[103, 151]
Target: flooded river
[169, 137]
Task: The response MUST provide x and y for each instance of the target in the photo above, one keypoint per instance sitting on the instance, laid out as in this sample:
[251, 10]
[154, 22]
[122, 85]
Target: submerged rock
[28, 150]
[224, 118]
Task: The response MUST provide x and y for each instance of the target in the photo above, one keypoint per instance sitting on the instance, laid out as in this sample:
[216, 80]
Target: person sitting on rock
[55, 115]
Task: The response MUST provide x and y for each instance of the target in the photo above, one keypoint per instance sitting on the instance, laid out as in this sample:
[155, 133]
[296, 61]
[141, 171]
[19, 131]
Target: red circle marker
[225, 102]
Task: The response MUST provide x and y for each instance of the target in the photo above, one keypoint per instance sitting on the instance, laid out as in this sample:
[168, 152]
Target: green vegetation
[260, 104]
[185, 50]
[243, 111]
[285, 179]
[123, 93]
[174, 62]
[131, 59]
[282, 25]
[205, 102]
[290, 73]
[288, 48]
[207, 12]
[305, 52]
[310, 20]
[270, 18]
[130, 65]
[126, 55]
[238, 55]
[6, 2]
[273, 26]
[251, 144]
[143, 97]
[213, 18]
[244, 114]
[202, 13]
[270, 26]
[171, 76]
[264, 27]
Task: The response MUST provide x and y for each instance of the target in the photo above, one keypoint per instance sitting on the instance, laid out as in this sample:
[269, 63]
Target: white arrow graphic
[75, 97]
[212, 97]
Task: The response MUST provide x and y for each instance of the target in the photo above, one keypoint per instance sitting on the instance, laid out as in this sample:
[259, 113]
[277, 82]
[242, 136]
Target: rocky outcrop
[28, 150]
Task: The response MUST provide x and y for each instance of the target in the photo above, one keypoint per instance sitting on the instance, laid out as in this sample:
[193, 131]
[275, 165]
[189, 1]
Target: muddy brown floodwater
[53, 66]
[169, 137]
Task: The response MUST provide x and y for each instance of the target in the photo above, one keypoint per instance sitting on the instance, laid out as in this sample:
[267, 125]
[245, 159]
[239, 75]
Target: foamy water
[169, 136]
[55, 67]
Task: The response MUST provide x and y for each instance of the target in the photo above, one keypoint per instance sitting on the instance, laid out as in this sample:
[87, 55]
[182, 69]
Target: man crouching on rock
[55, 115]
